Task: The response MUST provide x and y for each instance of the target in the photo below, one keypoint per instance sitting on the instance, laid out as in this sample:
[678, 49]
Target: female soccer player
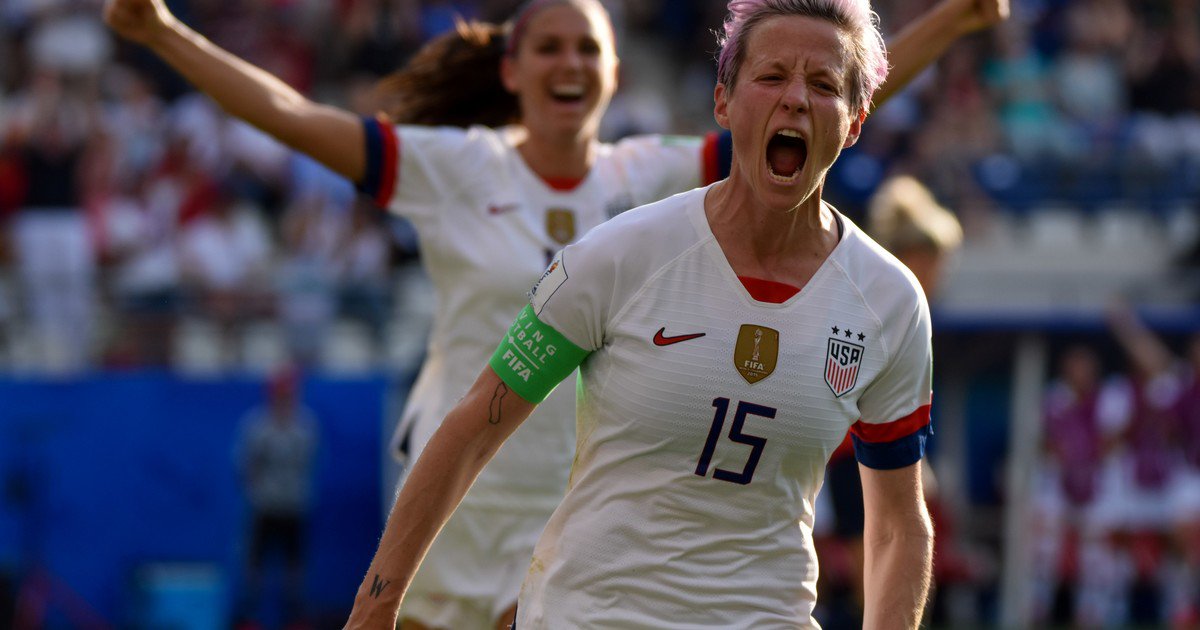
[490, 206]
[726, 338]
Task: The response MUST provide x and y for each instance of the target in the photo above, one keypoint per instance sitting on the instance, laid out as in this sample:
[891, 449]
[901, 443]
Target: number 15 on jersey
[755, 442]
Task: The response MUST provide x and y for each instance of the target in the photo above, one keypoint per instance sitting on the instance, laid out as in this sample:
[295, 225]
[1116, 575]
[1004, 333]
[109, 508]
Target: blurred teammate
[727, 338]
[491, 207]
[906, 219]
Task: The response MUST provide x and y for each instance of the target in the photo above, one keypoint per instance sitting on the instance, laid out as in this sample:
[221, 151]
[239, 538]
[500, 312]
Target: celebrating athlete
[491, 205]
[726, 339]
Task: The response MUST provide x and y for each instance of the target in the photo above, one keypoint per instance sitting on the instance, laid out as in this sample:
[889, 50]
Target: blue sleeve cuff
[374, 157]
[898, 453]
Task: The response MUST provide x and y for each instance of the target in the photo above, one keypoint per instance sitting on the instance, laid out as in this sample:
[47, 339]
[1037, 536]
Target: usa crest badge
[560, 225]
[756, 352]
[842, 362]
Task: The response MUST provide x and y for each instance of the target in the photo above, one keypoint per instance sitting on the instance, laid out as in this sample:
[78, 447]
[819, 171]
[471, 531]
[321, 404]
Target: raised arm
[898, 546]
[471, 433]
[329, 135]
[922, 41]
[1145, 350]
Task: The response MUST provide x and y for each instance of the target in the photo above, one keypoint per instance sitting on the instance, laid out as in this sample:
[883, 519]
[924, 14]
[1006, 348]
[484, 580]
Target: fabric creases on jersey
[487, 225]
[698, 462]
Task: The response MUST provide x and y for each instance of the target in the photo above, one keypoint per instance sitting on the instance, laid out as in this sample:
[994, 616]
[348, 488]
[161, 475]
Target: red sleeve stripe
[892, 431]
[391, 158]
[710, 164]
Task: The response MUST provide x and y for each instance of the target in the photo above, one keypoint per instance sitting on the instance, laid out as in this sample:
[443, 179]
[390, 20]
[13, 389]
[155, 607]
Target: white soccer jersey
[487, 227]
[706, 418]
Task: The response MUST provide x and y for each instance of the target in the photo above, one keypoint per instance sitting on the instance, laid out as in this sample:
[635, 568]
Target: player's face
[564, 70]
[1080, 369]
[789, 108]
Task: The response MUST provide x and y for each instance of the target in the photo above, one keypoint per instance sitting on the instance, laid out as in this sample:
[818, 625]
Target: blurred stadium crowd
[139, 227]
[114, 177]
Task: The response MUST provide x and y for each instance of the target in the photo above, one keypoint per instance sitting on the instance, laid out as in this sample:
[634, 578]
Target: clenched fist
[983, 14]
[139, 21]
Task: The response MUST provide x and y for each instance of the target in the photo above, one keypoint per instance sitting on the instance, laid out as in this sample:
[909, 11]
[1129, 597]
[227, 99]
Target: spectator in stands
[1164, 440]
[224, 256]
[1018, 77]
[306, 278]
[1163, 68]
[1070, 545]
[1185, 502]
[141, 249]
[276, 455]
[362, 265]
[51, 130]
[12, 183]
[1146, 465]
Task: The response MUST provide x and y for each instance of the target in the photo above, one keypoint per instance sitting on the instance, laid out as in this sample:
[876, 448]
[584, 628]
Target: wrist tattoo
[377, 586]
[497, 401]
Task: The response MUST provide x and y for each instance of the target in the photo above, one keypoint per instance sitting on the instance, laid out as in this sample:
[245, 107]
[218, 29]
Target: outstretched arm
[898, 545]
[329, 135]
[471, 433]
[920, 42]
[1145, 350]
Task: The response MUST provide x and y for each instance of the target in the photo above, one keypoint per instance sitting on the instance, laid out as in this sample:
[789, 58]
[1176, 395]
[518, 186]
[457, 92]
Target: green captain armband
[533, 358]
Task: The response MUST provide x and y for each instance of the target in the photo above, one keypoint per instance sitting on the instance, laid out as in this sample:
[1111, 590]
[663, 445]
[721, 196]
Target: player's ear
[721, 105]
[508, 73]
[855, 128]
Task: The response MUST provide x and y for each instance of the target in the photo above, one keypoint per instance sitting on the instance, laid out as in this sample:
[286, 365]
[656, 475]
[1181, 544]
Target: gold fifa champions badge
[756, 352]
[560, 225]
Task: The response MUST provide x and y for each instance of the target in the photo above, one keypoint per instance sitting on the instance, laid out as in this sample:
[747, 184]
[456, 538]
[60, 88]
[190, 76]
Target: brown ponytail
[454, 80]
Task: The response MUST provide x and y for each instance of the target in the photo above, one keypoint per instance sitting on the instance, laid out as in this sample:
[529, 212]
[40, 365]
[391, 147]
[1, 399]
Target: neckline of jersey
[558, 185]
[562, 184]
[696, 213]
[768, 290]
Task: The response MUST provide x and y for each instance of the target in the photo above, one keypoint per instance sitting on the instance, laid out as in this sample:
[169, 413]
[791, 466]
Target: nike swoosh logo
[662, 340]
[504, 209]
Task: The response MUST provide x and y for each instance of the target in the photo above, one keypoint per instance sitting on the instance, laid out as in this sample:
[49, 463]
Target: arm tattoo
[497, 401]
[377, 586]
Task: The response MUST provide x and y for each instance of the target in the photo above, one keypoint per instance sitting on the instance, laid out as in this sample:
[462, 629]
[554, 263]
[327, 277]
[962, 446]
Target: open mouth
[567, 94]
[786, 154]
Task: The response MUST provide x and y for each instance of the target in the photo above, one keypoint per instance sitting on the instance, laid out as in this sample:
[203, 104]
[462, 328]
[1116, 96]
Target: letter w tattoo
[497, 400]
[378, 585]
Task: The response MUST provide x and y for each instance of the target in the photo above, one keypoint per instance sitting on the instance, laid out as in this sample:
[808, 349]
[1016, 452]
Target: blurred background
[167, 273]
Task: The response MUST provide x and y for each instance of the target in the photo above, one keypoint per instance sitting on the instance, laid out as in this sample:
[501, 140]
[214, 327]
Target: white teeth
[568, 90]
[790, 133]
[781, 179]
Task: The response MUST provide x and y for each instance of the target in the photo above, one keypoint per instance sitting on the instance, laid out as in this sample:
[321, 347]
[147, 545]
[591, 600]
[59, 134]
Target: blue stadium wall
[104, 476]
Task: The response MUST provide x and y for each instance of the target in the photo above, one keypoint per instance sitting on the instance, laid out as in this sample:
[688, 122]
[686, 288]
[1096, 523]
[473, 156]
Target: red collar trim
[768, 290]
[563, 184]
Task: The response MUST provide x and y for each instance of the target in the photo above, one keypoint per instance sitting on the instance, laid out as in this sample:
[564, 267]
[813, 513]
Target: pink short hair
[869, 64]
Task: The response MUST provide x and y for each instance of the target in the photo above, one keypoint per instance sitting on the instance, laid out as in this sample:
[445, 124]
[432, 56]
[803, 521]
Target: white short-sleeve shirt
[706, 418]
[488, 226]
